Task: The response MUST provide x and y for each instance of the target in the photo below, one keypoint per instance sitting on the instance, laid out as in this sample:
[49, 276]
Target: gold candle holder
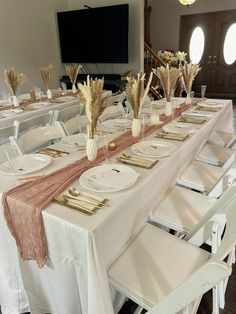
[112, 145]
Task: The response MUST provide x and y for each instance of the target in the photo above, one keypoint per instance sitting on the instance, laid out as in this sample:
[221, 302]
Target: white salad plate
[108, 178]
[25, 164]
[197, 114]
[11, 112]
[65, 98]
[118, 123]
[38, 105]
[153, 148]
[75, 140]
[179, 128]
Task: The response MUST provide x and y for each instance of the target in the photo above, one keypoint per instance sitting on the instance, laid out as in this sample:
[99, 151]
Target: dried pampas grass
[168, 77]
[135, 92]
[94, 102]
[72, 71]
[13, 80]
[189, 71]
[46, 75]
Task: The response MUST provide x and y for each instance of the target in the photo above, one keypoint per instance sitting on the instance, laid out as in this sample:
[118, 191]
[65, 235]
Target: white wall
[165, 19]
[136, 33]
[28, 39]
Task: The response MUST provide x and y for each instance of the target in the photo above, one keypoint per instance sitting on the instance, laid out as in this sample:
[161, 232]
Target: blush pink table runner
[24, 203]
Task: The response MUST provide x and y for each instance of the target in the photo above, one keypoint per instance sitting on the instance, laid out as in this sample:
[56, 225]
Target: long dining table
[80, 247]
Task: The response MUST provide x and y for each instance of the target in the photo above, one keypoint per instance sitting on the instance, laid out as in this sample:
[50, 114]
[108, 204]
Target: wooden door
[219, 77]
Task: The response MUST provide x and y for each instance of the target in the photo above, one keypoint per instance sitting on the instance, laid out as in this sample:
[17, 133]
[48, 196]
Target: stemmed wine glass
[203, 91]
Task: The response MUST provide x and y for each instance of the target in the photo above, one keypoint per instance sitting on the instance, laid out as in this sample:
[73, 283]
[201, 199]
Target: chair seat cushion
[182, 209]
[153, 264]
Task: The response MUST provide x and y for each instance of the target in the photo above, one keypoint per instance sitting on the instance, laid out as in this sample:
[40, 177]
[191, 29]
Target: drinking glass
[203, 90]
[103, 136]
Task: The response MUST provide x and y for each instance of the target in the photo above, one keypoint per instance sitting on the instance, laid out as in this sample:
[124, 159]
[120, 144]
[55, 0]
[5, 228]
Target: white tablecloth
[8, 121]
[80, 248]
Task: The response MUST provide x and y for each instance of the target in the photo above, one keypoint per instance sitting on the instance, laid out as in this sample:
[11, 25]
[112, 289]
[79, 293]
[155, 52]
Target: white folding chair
[186, 211]
[34, 122]
[74, 125]
[205, 178]
[164, 274]
[223, 139]
[112, 112]
[37, 138]
[216, 155]
[67, 113]
[5, 133]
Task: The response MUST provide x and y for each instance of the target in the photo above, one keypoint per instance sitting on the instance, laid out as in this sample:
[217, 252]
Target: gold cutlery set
[202, 108]
[137, 161]
[54, 153]
[80, 201]
[191, 120]
[171, 136]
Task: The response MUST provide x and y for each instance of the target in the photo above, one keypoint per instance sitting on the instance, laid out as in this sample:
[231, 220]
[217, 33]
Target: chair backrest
[223, 212]
[112, 100]
[37, 138]
[76, 124]
[112, 112]
[202, 280]
[31, 123]
[5, 133]
[128, 106]
[67, 113]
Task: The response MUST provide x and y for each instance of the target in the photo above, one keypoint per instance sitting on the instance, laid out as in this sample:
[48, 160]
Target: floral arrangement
[189, 71]
[171, 57]
[13, 80]
[168, 76]
[94, 99]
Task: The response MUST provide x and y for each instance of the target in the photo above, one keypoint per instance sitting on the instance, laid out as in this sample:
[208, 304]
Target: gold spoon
[74, 192]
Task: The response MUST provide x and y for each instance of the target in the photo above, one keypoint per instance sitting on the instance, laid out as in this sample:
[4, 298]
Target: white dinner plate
[108, 178]
[65, 98]
[197, 113]
[38, 105]
[25, 164]
[118, 123]
[153, 148]
[11, 112]
[75, 140]
[211, 103]
[179, 128]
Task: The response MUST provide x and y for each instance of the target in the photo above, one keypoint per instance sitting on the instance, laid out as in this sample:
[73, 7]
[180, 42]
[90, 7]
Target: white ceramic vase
[91, 149]
[168, 108]
[136, 127]
[15, 101]
[74, 90]
[49, 94]
[188, 100]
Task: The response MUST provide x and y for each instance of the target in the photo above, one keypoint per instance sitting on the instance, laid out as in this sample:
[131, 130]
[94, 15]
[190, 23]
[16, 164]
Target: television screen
[96, 35]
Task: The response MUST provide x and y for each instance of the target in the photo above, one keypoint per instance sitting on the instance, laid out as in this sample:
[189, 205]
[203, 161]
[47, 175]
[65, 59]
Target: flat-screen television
[94, 35]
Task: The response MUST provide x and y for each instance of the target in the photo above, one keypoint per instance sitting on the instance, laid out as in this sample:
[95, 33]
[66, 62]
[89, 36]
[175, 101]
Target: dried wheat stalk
[94, 102]
[135, 92]
[168, 77]
[72, 71]
[46, 75]
[13, 80]
[189, 71]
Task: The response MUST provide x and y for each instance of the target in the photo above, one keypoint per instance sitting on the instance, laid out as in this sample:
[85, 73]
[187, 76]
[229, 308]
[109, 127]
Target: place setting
[52, 152]
[75, 141]
[176, 131]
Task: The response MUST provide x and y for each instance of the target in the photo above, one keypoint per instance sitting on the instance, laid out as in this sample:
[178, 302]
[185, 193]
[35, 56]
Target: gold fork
[61, 200]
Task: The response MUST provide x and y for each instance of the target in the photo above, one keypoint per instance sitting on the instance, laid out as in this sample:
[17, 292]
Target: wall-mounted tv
[94, 35]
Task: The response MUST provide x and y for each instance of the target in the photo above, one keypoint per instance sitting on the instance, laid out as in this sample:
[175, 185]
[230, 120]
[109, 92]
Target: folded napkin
[208, 108]
[111, 178]
[137, 161]
[172, 136]
[191, 120]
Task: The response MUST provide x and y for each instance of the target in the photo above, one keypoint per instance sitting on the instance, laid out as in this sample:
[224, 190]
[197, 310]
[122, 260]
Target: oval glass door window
[229, 50]
[196, 45]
